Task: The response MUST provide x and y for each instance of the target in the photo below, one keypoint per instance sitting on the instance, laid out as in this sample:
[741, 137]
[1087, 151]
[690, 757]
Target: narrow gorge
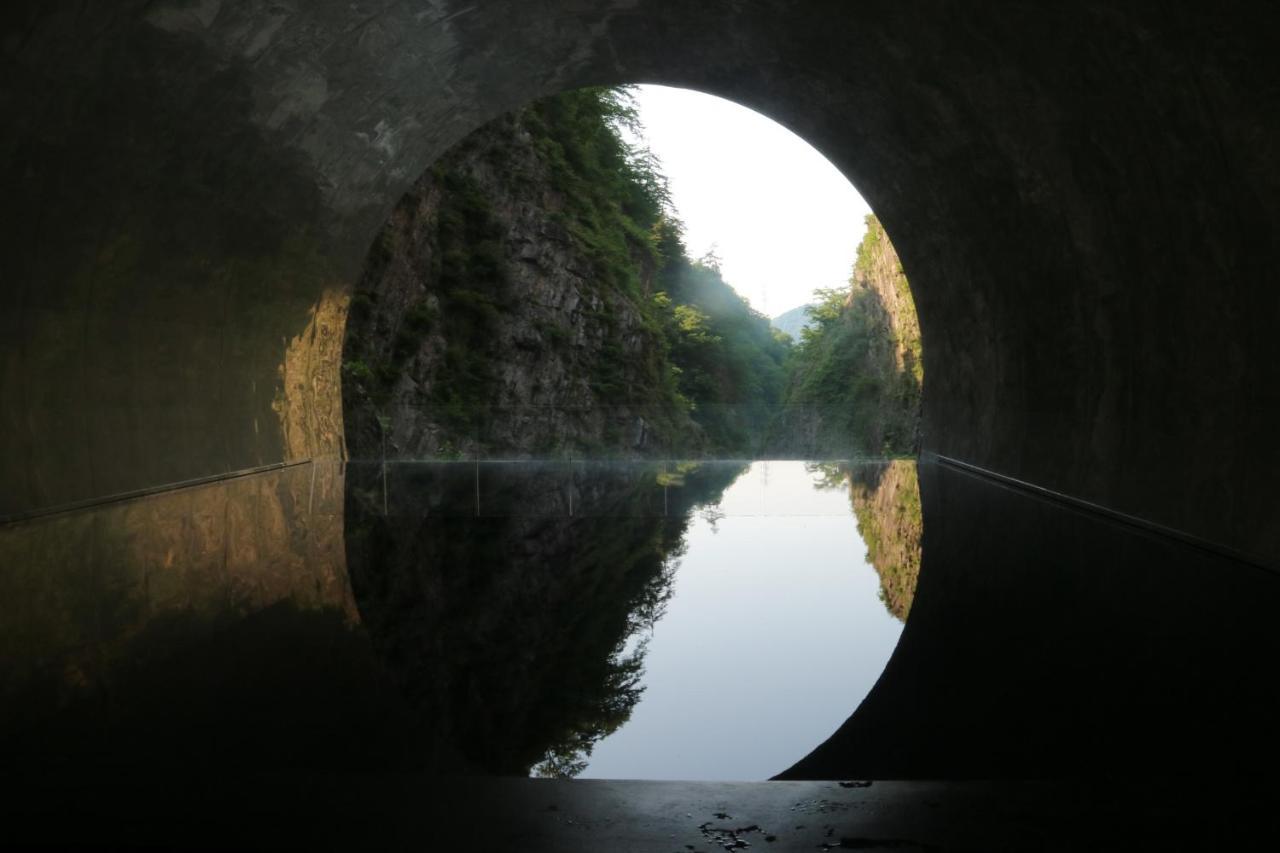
[529, 346]
[532, 297]
[856, 375]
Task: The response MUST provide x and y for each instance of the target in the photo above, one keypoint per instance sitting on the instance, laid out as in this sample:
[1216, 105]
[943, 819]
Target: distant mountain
[793, 321]
[854, 388]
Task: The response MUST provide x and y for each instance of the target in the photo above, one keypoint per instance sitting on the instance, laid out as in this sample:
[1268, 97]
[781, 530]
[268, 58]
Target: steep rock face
[879, 271]
[309, 400]
[856, 377]
[886, 502]
[483, 322]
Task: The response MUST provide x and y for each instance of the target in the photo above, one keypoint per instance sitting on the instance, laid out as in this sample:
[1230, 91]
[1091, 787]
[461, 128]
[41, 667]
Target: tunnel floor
[411, 812]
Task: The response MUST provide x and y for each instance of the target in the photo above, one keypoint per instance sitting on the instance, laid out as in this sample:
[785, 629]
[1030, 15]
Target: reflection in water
[773, 635]
[474, 617]
[503, 594]
[885, 496]
[886, 502]
[206, 626]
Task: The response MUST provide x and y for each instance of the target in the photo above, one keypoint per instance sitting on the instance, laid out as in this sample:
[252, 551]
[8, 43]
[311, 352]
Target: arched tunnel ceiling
[1084, 200]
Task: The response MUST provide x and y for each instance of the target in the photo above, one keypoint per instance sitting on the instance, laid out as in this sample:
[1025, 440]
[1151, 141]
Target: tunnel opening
[1085, 198]
[541, 380]
[551, 237]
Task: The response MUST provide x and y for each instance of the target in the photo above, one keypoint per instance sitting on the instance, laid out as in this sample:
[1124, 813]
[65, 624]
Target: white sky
[773, 636]
[783, 219]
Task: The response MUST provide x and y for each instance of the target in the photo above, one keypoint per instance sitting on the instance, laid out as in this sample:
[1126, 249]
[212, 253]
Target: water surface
[774, 633]
[627, 619]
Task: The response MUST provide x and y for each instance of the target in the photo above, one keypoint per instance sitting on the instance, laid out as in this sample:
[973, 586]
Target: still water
[712, 620]
[774, 633]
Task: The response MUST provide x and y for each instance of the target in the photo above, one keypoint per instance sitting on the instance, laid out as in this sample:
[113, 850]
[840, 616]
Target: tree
[711, 259]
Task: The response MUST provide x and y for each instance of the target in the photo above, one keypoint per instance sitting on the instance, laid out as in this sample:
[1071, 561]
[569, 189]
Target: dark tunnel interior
[1085, 199]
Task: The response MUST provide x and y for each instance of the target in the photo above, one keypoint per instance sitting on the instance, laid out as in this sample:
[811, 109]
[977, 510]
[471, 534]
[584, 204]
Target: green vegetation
[885, 498]
[713, 356]
[856, 375]
[468, 270]
[614, 193]
[544, 250]
[534, 295]
[668, 340]
[633, 560]
[513, 635]
[730, 364]
[886, 502]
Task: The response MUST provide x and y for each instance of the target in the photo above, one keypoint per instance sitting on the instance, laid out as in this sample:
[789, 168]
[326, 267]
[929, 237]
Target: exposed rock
[309, 401]
[483, 323]
[857, 379]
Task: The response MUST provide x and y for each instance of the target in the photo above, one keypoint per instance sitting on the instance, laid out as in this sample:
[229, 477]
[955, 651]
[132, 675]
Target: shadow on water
[1051, 637]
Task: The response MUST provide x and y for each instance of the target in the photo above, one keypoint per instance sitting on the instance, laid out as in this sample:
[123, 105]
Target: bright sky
[773, 636]
[783, 220]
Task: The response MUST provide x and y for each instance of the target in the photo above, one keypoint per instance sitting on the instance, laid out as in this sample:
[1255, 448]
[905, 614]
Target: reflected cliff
[207, 626]
[216, 626]
[885, 498]
[468, 617]
[886, 501]
[774, 632]
[503, 594]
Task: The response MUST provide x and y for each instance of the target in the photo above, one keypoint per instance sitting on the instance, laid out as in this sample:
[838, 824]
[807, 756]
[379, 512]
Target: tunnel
[1085, 199]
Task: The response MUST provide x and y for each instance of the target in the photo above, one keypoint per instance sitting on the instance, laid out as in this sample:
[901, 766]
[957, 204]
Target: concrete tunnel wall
[1084, 199]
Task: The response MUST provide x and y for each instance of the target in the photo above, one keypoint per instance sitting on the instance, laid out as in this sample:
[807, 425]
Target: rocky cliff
[508, 308]
[856, 377]
[532, 296]
[878, 271]
[484, 323]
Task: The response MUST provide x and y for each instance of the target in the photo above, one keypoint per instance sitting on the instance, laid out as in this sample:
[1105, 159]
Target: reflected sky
[751, 666]
[460, 618]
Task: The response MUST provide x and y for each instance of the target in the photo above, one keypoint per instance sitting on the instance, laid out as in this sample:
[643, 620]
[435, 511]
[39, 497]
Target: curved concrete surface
[1048, 639]
[1085, 200]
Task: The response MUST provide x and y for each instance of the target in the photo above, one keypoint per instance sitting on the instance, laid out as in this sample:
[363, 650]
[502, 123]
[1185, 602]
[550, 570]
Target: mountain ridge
[793, 321]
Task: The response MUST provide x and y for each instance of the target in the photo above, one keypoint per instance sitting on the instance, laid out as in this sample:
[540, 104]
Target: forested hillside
[855, 377]
[730, 360]
[532, 295]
